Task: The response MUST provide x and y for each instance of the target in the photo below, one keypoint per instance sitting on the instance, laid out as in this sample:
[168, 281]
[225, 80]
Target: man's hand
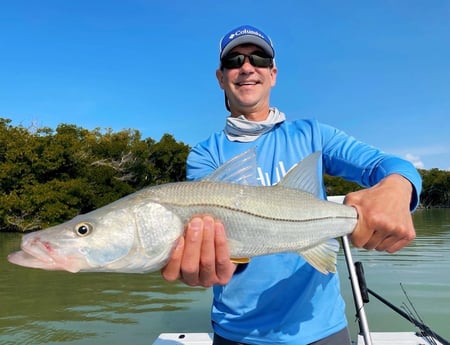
[384, 217]
[201, 256]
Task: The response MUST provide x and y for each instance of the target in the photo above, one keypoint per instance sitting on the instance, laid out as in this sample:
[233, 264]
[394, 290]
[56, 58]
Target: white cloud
[425, 157]
[415, 160]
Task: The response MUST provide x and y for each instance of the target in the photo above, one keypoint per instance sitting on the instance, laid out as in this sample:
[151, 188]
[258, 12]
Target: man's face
[247, 87]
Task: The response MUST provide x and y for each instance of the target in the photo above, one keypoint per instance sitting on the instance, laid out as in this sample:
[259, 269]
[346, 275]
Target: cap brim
[248, 39]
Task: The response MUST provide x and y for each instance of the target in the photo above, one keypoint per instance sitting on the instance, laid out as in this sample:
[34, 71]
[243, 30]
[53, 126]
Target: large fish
[136, 233]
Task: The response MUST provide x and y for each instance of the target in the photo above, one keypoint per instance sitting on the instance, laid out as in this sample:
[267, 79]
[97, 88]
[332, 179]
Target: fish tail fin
[323, 256]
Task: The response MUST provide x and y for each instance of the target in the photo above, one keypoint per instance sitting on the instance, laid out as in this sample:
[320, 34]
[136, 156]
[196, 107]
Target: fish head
[86, 243]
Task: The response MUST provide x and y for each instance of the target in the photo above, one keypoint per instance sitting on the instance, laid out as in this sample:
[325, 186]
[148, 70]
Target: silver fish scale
[259, 220]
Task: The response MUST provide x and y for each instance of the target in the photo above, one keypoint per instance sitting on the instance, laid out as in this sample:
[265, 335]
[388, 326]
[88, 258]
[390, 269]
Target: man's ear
[273, 73]
[219, 76]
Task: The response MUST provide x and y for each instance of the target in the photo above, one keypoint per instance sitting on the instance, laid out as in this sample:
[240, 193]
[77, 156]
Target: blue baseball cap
[246, 34]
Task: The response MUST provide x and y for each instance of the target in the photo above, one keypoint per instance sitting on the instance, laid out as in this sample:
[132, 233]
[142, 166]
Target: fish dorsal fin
[240, 169]
[304, 175]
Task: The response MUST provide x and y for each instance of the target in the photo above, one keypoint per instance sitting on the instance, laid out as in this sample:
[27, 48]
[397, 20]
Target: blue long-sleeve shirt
[281, 299]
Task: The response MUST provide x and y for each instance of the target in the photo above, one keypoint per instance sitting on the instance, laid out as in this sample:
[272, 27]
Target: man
[281, 299]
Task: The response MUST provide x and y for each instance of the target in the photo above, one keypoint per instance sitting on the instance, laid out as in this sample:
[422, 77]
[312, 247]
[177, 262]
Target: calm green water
[39, 307]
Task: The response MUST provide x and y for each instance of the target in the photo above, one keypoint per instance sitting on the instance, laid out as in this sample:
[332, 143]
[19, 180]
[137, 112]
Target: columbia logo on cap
[246, 31]
[246, 34]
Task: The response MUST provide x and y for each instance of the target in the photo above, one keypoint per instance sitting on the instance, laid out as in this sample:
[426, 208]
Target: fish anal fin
[240, 260]
[323, 256]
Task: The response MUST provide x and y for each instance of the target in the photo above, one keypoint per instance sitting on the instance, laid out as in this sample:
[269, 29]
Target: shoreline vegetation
[48, 176]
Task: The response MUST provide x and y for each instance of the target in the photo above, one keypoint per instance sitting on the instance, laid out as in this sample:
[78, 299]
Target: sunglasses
[236, 60]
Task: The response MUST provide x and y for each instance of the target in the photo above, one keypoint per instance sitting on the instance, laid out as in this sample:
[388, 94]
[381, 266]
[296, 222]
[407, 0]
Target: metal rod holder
[359, 304]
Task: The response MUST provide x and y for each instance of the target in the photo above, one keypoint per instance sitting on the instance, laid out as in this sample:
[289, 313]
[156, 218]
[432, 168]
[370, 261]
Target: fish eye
[83, 229]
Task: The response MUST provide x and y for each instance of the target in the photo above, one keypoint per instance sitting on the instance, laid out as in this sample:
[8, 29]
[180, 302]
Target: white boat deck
[397, 338]
[378, 338]
[184, 339]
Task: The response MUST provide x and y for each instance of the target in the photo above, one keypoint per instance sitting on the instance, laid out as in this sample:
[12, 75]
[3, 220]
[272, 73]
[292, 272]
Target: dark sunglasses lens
[260, 61]
[234, 61]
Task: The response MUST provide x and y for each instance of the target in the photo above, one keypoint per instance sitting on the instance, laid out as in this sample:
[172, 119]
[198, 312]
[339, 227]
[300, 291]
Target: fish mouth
[35, 253]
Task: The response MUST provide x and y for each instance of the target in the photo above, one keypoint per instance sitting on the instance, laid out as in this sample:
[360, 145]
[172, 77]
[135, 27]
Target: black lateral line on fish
[266, 217]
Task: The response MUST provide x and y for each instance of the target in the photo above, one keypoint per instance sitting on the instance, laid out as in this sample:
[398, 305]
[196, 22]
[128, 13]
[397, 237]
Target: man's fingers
[207, 272]
[171, 271]
[224, 268]
[359, 236]
[192, 250]
[201, 257]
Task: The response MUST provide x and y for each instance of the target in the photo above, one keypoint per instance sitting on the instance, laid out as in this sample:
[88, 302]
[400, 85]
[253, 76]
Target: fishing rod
[424, 328]
[365, 291]
[361, 296]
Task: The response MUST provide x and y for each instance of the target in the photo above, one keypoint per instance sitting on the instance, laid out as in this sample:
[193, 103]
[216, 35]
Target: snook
[137, 233]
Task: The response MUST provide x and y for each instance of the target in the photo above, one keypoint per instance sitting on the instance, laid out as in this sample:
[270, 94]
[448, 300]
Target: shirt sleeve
[355, 161]
[200, 163]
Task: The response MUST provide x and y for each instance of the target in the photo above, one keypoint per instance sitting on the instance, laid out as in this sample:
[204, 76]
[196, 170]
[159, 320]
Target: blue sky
[377, 69]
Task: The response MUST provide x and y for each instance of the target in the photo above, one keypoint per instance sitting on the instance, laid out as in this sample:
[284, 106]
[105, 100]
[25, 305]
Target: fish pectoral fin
[323, 256]
[240, 260]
